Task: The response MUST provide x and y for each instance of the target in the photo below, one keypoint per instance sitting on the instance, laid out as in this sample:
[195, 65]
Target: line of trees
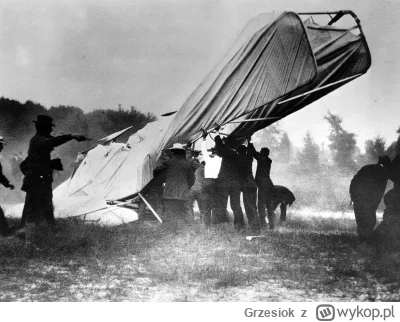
[342, 152]
[320, 176]
[17, 127]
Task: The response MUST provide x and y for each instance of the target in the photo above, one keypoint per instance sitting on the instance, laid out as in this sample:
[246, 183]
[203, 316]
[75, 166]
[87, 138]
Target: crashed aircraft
[278, 64]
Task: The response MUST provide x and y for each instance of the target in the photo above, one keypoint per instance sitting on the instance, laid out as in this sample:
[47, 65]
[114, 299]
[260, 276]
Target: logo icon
[325, 312]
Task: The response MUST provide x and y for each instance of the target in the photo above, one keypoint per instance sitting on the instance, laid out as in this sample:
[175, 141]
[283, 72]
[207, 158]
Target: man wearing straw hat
[4, 229]
[178, 178]
[38, 171]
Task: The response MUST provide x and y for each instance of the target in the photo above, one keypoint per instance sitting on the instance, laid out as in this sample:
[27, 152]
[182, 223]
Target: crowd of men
[226, 171]
[213, 176]
[210, 178]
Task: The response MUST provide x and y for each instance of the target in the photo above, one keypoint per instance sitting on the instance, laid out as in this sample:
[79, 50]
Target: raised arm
[223, 150]
[251, 151]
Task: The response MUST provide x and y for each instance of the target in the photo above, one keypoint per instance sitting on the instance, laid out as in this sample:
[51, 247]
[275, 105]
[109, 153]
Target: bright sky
[153, 53]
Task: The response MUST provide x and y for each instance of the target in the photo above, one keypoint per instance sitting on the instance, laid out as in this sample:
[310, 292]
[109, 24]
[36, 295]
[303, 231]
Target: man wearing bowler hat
[38, 171]
[178, 176]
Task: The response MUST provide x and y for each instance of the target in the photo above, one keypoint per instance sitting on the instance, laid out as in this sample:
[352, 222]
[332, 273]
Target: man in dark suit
[229, 180]
[178, 176]
[38, 171]
[265, 187]
[249, 187]
[366, 191]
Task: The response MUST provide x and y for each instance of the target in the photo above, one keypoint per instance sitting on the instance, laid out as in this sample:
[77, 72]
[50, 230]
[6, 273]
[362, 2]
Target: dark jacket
[263, 172]
[231, 165]
[282, 194]
[369, 184]
[39, 170]
[246, 171]
[178, 177]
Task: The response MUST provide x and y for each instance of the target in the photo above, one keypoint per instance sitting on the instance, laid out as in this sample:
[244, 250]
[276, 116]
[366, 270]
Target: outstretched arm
[54, 141]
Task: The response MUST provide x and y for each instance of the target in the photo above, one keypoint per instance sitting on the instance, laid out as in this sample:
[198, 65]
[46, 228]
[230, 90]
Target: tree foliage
[309, 156]
[285, 149]
[394, 148]
[397, 145]
[374, 148]
[17, 127]
[269, 137]
[277, 140]
[343, 143]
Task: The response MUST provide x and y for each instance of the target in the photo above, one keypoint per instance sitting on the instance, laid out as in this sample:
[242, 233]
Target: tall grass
[303, 260]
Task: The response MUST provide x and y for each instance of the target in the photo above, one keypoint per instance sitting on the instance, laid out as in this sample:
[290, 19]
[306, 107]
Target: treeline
[319, 175]
[342, 151]
[17, 127]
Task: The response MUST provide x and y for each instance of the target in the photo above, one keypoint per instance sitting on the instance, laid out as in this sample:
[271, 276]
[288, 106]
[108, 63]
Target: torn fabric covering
[339, 54]
[271, 57]
[275, 58]
[318, 55]
[108, 173]
[117, 170]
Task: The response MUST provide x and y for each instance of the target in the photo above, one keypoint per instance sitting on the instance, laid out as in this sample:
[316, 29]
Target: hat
[44, 120]
[177, 146]
[2, 140]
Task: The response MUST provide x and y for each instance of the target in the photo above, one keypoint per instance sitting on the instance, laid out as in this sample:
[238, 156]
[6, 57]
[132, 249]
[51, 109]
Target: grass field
[305, 259]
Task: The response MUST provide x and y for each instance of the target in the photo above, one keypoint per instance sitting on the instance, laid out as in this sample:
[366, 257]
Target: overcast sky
[153, 53]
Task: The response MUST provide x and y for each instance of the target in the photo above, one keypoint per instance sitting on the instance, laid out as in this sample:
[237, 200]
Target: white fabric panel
[111, 172]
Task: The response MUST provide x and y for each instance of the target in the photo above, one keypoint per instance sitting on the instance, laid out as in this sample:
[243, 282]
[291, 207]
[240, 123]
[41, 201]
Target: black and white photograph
[201, 151]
